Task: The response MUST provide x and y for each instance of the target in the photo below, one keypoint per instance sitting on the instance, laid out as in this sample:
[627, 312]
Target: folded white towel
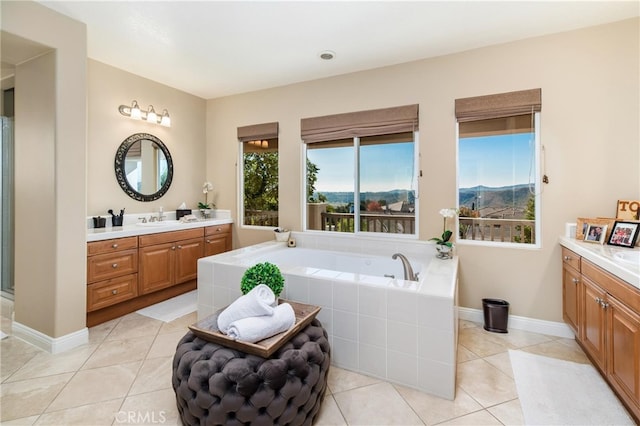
[254, 329]
[259, 301]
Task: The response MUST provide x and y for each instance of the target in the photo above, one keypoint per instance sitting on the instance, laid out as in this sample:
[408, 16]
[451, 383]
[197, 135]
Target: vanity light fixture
[150, 116]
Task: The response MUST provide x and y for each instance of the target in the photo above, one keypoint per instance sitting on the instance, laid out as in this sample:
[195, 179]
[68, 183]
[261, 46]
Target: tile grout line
[44, 411]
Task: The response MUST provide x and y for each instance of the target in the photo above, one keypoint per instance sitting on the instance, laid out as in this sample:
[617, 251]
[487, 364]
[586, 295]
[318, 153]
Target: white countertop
[132, 230]
[603, 255]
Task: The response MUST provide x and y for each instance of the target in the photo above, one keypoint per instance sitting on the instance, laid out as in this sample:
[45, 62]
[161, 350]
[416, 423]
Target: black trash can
[496, 315]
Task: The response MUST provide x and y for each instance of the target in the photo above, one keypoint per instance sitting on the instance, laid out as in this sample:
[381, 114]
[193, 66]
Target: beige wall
[589, 128]
[111, 87]
[50, 197]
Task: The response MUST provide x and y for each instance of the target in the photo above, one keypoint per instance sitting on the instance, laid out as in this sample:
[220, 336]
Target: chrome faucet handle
[143, 219]
[152, 219]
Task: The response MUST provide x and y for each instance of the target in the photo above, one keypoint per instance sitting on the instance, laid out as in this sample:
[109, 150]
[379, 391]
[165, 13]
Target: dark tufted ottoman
[216, 385]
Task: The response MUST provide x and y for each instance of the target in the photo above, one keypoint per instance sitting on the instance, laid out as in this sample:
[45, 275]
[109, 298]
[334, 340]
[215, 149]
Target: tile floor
[123, 376]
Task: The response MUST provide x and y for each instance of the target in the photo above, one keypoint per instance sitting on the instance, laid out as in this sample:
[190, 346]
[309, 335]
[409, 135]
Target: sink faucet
[153, 219]
[408, 270]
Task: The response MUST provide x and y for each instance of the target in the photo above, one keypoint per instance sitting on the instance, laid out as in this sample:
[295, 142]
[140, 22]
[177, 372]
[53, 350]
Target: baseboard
[50, 344]
[551, 328]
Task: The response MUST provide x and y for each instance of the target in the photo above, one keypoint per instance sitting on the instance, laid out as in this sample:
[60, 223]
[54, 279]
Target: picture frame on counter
[582, 226]
[624, 234]
[595, 233]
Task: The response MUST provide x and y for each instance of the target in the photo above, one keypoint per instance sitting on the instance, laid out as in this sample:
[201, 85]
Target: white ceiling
[219, 48]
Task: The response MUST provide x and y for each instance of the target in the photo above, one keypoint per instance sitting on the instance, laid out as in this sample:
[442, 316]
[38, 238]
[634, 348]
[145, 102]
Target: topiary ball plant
[262, 273]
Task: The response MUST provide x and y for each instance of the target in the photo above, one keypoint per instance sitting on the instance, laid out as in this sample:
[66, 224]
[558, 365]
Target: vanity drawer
[612, 285]
[105, 266]
[111, 246]
[217, 229]
[570, 258]
[170, 237]
[109, 292]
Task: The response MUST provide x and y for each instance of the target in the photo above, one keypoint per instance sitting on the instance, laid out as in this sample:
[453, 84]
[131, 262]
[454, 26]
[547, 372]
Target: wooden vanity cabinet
[217, 239]
[623, 352]
[112, 272]
[169, 258]
[592, 330]
[571, 289]
[607, 320]
[131, 273]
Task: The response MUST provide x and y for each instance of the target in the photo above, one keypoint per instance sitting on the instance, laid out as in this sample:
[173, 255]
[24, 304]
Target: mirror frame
[121, 177]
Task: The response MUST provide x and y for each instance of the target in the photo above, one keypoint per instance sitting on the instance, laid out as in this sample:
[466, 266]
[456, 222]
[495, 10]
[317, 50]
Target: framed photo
[595, 233]
[624, 234]
[582, 225]
[628, 210]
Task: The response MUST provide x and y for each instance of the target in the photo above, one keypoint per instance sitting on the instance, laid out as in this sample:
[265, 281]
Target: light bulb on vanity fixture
[152, 117]
[135, 111]
[165, 120]
[149, 116]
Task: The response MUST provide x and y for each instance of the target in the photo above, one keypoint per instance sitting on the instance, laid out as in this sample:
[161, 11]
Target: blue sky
[495, 160]
[383, 167]
[490, 161]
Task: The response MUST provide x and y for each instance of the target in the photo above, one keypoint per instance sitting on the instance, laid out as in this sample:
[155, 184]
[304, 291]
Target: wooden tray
[207, 329]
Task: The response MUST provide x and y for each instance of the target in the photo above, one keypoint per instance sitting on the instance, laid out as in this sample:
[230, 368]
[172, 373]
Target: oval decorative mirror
[143, 166]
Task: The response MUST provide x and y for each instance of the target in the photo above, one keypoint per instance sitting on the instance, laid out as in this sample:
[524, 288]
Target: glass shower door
[6, 208]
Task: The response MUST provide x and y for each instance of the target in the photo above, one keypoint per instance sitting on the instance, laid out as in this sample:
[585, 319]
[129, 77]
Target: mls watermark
[141, 417]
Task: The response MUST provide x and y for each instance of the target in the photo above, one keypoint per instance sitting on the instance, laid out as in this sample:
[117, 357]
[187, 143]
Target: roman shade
[363, 123]
[499, 105]
[258, 132]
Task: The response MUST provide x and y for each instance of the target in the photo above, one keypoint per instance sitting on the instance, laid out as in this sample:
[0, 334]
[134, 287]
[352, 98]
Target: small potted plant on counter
[206, 207]
[443, 244]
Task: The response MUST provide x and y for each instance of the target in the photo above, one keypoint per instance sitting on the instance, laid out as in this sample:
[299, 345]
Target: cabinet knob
[575, 280]
[173, 248]
[567, 258]
[114, 245]
[114, 266]
[219, 229]
[114, 291]
[179, 247]
[598, 301]
[208, 241]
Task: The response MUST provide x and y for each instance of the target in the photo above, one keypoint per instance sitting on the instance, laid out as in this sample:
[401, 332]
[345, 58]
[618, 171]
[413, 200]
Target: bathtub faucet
[408, 270]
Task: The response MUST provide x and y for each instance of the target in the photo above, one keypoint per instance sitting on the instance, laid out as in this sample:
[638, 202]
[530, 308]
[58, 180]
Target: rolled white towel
[259, 301]
[254, 329]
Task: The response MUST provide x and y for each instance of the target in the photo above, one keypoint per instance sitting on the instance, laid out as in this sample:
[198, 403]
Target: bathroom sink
[158, 224]
[632, 257]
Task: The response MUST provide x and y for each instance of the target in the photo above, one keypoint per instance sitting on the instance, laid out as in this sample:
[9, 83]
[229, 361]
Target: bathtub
[378, 324]
[331, 260]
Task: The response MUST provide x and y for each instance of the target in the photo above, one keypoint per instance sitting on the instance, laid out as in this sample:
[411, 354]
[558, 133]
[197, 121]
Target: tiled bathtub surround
[401, 331]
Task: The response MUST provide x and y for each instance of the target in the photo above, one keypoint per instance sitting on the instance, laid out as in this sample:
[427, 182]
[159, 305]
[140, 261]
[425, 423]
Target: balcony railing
[369, 222]
[471, 228]
[261, 218]
[479, 229]
[505, 230]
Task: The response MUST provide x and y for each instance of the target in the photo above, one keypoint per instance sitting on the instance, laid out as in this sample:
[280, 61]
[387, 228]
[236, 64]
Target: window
[362, 184]
[259, 174]
[498, 171]
[361, 171]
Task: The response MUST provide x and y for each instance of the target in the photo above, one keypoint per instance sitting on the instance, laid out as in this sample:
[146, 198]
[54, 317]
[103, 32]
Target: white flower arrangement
[446, 234]
[206, 188]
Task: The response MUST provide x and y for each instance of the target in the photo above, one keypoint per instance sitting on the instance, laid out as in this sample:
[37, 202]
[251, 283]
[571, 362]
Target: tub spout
[408, 270]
